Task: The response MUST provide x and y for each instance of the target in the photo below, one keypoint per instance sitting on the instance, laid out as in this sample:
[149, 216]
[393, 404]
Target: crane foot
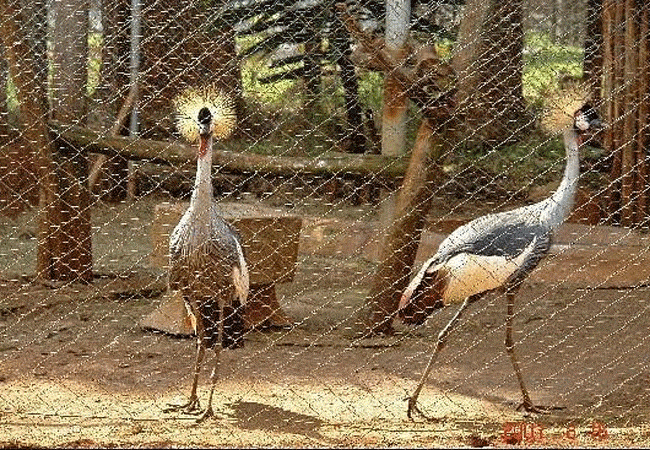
[208, 413]
[413, 408]
[191, 407]
[528, 406]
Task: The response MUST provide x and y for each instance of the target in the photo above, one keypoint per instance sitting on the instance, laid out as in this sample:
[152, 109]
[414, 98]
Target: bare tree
[427, 81]
[393, 143]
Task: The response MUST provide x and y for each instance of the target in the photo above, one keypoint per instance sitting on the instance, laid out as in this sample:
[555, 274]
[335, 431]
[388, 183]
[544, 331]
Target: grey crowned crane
[206, 259]
[496, 251]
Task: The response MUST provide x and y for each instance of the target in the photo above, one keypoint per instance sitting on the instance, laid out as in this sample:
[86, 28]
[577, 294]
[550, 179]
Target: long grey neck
[201, 200]
[560, 204]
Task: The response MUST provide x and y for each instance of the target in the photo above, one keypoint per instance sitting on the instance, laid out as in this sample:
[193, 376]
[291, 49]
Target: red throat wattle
[203, 145]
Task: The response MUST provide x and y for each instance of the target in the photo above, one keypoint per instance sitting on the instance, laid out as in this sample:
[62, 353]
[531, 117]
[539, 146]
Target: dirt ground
[76, 370]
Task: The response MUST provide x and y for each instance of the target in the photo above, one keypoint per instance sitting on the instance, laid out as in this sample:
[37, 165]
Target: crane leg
[214, 375]
[527, 404]
[193, 406]
[442, 337]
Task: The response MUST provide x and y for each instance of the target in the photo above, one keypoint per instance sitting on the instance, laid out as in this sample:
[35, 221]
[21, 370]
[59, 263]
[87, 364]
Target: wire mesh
[351, 162]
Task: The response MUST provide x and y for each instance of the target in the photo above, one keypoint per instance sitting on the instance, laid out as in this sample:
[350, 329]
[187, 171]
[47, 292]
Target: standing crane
[494, 252]
[206, 259]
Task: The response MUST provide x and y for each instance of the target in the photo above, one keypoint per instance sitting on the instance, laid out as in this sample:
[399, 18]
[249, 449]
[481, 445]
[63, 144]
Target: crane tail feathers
[233, 324]
[423, 295]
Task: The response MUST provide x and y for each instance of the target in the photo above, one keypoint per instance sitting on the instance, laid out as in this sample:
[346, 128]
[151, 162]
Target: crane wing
[505, 235]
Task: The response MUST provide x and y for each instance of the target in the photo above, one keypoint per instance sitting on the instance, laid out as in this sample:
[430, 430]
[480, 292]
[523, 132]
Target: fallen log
[176, 153]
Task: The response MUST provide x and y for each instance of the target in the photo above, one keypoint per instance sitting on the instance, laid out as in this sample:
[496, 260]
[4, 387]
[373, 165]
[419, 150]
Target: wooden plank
[643, 91]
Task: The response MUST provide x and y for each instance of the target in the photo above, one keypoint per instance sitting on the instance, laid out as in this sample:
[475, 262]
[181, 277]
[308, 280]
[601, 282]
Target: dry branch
[427, 80]
[87, 140]
[125, 109]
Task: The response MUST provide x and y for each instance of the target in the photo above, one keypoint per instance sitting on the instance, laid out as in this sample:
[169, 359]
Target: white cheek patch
[581, 122]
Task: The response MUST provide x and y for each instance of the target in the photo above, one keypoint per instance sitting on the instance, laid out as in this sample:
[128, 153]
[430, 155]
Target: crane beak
[204, 128]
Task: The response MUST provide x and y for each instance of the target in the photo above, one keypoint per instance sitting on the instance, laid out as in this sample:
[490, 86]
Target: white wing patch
[240, 276]
[470, 274]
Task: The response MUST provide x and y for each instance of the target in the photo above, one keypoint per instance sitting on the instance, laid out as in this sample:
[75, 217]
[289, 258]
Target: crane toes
[208, 413]
[413, 408]
[191, 407]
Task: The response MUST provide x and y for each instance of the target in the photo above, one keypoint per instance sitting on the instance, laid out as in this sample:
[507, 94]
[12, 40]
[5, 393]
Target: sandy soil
[76, 370]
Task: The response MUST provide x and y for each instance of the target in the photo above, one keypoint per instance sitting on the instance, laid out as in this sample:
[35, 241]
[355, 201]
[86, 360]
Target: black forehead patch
[204, 116]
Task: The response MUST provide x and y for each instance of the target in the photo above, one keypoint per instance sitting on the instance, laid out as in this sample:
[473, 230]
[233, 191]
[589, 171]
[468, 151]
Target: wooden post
[643, 91]
[33, 100]
[69, 105]
[628, 142]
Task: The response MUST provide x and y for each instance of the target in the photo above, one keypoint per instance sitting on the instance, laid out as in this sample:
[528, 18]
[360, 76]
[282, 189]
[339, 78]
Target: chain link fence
[366, 133]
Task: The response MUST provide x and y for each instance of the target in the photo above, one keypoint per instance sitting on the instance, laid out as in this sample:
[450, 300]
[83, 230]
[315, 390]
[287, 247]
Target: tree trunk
[354, 136]
[489, 65]
[593, 60]
[401, 245]
[33, 113]
[69, 77]
[312, 76]
[4, 106]
[625, 90]
[394, 116]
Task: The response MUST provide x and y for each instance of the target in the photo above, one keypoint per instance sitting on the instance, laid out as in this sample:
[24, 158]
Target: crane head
[205, 121]
[586, 123]
[586, 119]
[422, 296]
[204, 111]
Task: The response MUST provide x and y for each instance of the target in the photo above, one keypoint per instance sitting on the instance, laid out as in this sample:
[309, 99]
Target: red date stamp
[516, 433]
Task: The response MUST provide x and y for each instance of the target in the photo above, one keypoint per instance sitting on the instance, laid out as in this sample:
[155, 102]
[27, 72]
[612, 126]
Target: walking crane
[496, 251]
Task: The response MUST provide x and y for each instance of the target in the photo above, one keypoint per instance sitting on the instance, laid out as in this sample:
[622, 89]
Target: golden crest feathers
[189, 103]
[563, 103]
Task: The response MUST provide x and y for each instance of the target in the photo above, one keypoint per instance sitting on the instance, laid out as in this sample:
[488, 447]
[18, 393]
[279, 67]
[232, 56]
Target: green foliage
[12, 95]
[371, 90]
[537, 160]
[95, 43]
[273, 95]
[544, 63]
